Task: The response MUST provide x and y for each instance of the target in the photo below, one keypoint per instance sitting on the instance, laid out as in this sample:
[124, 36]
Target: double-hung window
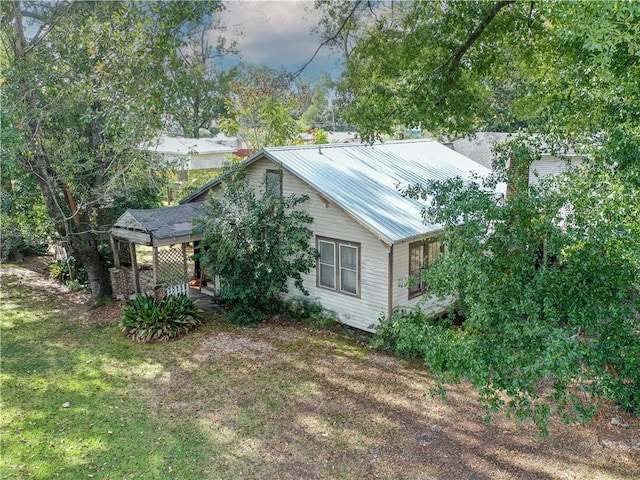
[421, 256]
[339, 265]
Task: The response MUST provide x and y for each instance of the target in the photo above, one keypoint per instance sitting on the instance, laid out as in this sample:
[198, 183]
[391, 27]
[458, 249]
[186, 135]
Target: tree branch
[326, 41]
[454, 61]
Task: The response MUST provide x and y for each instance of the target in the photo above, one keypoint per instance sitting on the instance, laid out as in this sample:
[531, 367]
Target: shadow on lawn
[70, 408]
[272, 402]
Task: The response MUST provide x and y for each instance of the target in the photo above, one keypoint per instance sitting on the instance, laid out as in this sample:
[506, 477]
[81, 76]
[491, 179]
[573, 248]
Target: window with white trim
[421, 255]
[338, 266]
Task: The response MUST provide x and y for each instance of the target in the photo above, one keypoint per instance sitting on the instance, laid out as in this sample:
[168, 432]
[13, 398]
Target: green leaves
[263, 108]
[146, 319]
[256, 243]
[548, 286]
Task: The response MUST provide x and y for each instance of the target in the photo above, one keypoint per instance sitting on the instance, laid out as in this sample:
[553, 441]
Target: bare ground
[289, 401]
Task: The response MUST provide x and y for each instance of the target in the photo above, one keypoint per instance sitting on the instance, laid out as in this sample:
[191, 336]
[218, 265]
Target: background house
[479, 147]
[190, 153]
[371, 238]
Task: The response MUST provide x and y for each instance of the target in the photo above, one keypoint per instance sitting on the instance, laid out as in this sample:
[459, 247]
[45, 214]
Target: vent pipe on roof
[320, 150]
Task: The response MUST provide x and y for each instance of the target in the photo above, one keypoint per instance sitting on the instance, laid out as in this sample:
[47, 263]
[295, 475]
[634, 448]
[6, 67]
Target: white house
[190, 153]
[479, 147]
[370, 237]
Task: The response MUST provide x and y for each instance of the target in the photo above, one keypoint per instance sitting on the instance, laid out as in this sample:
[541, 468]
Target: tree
[318, 114]
[263, 108]
[256, 243]
[196, 87]
[548, 280]
[80, 91]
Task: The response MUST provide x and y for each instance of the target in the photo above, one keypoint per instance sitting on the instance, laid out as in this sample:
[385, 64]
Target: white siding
[211, 160]
[548, 165]
[428, 303]
[332, 222]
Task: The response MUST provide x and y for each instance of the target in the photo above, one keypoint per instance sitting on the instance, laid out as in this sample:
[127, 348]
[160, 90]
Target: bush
[304, 310]
[146, 319]
[257, 243]
[14, 246]
[403, 333]
[60, 271]
[69, 273]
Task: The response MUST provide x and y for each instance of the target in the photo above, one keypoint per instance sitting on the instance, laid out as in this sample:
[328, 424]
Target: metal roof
[185, 146]
[161, 223]
[364, 180]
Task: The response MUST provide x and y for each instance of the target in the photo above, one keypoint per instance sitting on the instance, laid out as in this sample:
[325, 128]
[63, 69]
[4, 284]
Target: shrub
[60, 271]
[69, 273]
[403, 333]
[304, 310]
[257, 242]
[146, 319]
[14, 246]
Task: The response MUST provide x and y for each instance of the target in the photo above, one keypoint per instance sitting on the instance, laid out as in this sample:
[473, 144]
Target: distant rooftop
[185, 146]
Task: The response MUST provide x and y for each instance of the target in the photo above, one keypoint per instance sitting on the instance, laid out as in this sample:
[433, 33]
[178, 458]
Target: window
[339, 265]
[273, 183]
[421, 255]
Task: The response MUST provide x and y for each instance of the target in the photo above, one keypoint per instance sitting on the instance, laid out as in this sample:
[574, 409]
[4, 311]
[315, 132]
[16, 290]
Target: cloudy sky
[278, 34]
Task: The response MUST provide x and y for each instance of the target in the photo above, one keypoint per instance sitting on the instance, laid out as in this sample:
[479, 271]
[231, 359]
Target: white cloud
[275, 33]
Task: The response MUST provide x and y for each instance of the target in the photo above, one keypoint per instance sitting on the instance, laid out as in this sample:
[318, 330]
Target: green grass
[281, 401]
[81, 401]
[75, 399]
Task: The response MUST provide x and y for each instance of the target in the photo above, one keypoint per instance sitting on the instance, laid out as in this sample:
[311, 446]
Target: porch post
[196, 265]
[184, 262]
[114, 251]
[134, 266]
[155, 266]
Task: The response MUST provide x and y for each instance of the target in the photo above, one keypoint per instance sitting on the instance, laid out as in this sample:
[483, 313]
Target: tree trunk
[88, 255]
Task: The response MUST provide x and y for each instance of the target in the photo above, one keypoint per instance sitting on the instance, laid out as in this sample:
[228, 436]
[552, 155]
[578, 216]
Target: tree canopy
[264, 107]
[81, 88]
[548, 281]
[459, 67]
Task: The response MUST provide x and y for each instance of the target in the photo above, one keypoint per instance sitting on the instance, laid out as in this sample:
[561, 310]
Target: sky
[279, 34]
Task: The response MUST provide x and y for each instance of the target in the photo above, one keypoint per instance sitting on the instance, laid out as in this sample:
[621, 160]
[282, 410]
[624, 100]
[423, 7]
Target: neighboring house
[333, 137]
[371, 239]
[479, 147]
[190, 153]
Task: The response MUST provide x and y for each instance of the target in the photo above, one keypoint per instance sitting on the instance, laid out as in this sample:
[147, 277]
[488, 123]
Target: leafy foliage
[256, 243]
[263, 107]
[195, 85]
[26, 229]
[72, 124]
[146, 319]
[547, 281]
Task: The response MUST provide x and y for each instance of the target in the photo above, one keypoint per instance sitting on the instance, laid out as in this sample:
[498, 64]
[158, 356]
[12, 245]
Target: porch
[160, 254]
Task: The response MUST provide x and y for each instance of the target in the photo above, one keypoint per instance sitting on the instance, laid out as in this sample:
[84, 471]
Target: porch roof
[158, 226]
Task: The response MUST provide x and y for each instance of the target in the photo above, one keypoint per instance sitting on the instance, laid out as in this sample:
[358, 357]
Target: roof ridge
[346, 145]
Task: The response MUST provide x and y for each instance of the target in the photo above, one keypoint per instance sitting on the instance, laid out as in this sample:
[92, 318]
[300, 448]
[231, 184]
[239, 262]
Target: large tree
[81, 88]
[264, 107]
[196, 85]
[548, 281]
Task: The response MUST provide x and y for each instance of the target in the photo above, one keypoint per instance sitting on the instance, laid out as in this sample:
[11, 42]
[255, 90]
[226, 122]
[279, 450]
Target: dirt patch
[382, 415]
[286, 401]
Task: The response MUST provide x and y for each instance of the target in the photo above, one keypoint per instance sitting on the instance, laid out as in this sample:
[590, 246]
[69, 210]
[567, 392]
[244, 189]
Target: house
[480, 148]
[190, 153]
[371, 239]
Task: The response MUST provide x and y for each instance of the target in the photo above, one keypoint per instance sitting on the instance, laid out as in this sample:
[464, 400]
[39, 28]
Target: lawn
[282, 401]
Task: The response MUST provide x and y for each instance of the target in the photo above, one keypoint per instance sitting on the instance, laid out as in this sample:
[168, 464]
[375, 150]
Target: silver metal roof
[364, 180]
